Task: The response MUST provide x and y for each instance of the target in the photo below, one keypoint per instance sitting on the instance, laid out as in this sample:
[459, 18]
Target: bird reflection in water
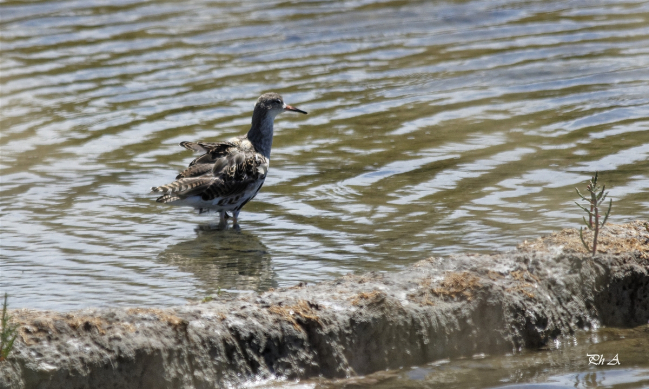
[227, 259]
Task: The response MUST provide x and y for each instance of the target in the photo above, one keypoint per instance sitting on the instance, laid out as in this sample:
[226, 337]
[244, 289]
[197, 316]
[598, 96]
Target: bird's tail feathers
[184, 186]
[167, 199]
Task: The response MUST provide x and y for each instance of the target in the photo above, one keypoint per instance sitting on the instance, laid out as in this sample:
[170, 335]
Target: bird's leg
[222, 219]
[235, 219]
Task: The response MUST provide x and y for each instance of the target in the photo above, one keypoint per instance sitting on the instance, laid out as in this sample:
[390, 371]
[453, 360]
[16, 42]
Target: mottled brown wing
[196, 170]
[203, 165]
[206, 147]
[213, 151]
[234, 173]
[226, 190]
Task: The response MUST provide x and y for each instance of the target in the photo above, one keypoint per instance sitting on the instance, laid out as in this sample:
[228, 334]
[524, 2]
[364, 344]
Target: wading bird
[230, 173]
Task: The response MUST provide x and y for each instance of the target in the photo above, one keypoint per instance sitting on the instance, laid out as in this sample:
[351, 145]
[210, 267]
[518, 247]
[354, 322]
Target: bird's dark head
[268, 106]
[274, 104]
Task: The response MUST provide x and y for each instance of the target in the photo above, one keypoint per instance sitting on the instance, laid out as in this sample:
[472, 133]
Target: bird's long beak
[289, 108]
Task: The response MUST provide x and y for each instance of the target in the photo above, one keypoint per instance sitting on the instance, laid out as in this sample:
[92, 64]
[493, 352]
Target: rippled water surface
[433, 127]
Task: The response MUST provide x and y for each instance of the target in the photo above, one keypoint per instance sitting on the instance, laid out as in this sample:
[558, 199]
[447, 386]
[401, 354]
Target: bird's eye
[277, 101]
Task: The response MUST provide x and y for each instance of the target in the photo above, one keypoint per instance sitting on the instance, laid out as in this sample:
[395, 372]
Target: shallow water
[433, 127]
[618, 360]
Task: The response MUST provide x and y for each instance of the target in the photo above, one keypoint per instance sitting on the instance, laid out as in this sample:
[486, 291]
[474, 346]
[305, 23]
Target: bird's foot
[223, 220]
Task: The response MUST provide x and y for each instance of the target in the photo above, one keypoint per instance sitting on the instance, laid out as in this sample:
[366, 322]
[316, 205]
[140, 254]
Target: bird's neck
[261, 132]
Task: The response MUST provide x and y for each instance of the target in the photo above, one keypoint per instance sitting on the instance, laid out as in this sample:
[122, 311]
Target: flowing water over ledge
[618, 360]
[433, 127]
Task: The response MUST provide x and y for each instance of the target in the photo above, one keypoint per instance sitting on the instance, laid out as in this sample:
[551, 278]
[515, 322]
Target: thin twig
[597, 197]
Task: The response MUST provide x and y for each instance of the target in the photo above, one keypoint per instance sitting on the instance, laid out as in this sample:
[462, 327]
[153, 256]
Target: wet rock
[438, 308]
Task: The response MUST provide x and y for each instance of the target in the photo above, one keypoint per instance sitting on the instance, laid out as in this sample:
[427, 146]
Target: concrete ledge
[437, 308]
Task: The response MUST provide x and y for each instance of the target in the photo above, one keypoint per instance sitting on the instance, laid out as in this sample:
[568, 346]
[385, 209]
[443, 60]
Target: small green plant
[207, 299]
[597, 197]
[8, 333]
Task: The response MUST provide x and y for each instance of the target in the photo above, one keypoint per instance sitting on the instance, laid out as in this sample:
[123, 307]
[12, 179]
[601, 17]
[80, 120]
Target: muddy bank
[437, 308]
